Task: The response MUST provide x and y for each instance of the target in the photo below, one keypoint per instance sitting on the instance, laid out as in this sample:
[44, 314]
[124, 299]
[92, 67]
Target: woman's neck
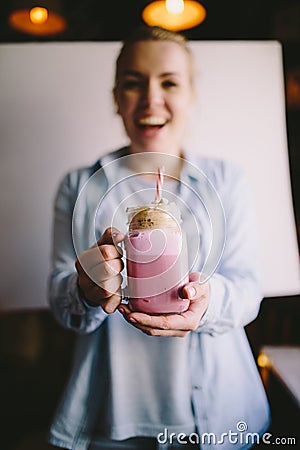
[150, 161]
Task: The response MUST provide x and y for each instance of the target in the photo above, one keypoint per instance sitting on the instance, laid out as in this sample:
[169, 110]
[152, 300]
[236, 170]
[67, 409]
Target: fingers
[110, 304]
[92, 268]
[99, 270]
[198, 294]
[105, 249]
[151, 325]
[103, 290]
[194, 290]
[162, 325]
[108, 296]
[157, 332]
[111, 236]
[174, 324]
[104, 271]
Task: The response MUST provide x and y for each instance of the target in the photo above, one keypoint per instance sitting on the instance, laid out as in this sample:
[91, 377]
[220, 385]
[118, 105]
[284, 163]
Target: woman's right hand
[99, 268]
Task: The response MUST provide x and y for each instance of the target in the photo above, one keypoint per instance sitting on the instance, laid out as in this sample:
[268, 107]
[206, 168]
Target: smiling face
[154, 94]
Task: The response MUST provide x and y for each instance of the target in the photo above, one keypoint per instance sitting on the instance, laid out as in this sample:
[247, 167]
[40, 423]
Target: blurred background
[35, 353]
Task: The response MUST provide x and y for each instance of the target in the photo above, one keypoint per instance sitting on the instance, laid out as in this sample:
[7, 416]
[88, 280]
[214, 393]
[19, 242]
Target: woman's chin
[155, 148]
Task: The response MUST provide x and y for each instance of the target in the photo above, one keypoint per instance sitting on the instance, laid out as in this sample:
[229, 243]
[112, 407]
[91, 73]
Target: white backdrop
[56, 113]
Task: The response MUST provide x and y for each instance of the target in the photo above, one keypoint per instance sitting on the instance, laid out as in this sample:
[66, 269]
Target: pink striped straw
[159, 184]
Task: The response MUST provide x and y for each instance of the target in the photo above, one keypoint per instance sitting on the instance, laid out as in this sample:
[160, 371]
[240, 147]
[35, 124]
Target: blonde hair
[148, 33]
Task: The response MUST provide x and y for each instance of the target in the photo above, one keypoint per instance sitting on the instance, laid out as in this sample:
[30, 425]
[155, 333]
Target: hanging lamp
[38, 18]
[174, 15]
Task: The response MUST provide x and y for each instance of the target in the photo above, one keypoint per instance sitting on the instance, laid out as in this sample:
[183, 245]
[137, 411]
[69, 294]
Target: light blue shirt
[124, 383]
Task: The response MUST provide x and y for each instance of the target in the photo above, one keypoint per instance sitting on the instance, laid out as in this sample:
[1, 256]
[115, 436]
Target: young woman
[135, 384]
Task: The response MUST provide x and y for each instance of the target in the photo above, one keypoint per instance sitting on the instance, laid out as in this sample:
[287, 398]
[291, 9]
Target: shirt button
[197, 386]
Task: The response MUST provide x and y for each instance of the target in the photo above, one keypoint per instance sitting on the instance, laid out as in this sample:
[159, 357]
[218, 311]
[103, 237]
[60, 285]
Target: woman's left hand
[174, 324]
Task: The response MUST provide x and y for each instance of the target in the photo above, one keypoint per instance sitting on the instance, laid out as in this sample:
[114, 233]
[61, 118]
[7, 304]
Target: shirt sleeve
[235, 287]
[68, 307]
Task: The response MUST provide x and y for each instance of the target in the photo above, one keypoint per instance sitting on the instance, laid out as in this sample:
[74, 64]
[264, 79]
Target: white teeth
[152, 121]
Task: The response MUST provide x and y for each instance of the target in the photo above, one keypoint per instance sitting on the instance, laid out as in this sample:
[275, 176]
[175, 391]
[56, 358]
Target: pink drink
[157, 265]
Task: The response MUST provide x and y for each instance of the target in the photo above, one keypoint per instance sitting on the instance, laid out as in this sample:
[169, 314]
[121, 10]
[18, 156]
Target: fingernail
[122, 310]
[191, 291]
[132, 320]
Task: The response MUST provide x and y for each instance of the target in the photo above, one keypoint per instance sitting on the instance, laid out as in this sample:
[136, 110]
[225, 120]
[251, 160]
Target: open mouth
[151, 122]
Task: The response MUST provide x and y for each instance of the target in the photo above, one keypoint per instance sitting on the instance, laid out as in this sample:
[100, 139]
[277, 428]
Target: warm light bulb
[263, 360]
[174, 15]
[38, 15]
[175, 6]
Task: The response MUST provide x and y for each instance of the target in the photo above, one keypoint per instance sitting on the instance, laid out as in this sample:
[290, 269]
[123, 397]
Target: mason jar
[156, 259]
